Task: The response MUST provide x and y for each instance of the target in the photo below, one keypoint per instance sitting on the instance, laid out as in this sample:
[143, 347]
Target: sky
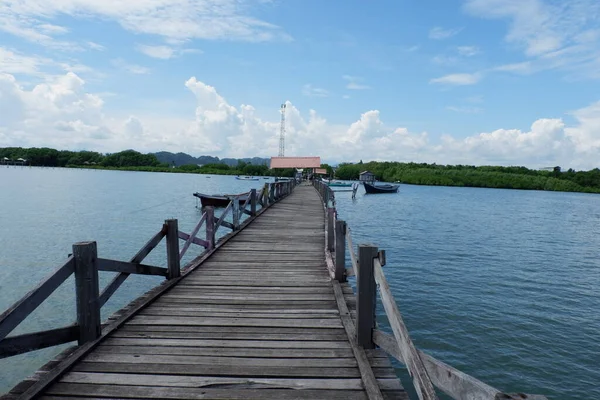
[483, 82]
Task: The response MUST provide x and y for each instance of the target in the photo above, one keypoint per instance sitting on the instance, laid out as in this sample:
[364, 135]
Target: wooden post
[340, 251]
[365, 296]
[85, 255]
[330, 229]
[253, 202]
[235, 210]
[266, 195]
[210, 227]
[272, 193]
[173, 265]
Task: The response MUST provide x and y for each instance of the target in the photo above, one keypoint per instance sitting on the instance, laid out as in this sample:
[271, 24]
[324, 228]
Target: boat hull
[219, 200]
[386, 188]
[339, 185]
[245, 178]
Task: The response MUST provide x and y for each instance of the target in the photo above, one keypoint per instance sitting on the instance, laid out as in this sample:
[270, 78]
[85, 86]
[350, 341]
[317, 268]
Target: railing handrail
[425, 370]
[87, 292]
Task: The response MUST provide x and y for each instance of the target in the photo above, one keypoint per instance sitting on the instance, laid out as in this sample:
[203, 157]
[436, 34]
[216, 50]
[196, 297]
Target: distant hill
[178, 159]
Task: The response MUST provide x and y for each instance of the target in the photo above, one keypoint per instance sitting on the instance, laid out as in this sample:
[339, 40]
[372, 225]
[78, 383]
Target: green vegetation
[129, 160]
[471, 176]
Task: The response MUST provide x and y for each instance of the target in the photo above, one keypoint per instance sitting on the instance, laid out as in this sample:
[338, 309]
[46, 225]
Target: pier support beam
[85, 255]
[330, 229]
[366, 296]
[340, 251]
[253, 202]
[173, 265]
[210, 227]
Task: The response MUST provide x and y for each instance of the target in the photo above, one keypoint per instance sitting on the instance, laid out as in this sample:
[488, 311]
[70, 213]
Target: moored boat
[338, 184]
[217, 200]
[381, 188]
[246, 178]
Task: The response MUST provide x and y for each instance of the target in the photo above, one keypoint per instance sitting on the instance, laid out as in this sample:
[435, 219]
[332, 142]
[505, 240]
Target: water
[501, 284]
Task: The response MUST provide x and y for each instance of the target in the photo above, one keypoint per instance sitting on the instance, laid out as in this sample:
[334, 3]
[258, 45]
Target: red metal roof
[295, 162]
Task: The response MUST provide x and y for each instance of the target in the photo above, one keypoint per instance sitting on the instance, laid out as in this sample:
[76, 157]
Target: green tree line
[472, 176]
[129, 160]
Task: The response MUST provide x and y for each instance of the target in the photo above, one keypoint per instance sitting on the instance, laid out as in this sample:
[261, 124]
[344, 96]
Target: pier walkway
[259, 319]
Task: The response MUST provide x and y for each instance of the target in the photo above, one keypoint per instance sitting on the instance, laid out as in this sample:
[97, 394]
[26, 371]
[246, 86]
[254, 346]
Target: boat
[381, 188]
[338, 184]
[267, 177]
[246, 178]
[220, 200]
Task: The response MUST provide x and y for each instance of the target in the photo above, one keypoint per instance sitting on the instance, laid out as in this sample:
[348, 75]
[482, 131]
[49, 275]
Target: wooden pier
[263, 313]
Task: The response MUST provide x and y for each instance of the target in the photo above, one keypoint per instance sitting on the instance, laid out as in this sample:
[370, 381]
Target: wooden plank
[216, 370]
[239, 344]
[229, 336]
[451, 381]
[120, 347]
[366, 373]
[231, 329]
[198, 241]
[296, 323]
[353, 258]
[118, 280]
[191, 236]
[211, 381]
[225, 361]
[16, 313]
[13, 345]
[146, 392]
[412, 358]
[129, 267]
[340, 251]
[218, 314]
[265, 296]
[221, 220]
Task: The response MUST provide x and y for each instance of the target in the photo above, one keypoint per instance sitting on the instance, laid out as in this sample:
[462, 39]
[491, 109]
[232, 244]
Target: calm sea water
[503, 285]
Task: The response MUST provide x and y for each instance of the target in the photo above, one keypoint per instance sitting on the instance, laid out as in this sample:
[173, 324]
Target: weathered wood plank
[225, 361]
[412, 358]
[13, 345]
[198, 241]
[191, 236]
[216, 370]
[228, 335]
[118, 280]
[296, 323]
[240, 344]
[117, 346]
[16, 313]
[129, 267]
[211, 381]
[366, 373]
[146, 392]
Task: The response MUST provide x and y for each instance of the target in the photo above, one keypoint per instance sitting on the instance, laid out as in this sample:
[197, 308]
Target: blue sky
[470, 81]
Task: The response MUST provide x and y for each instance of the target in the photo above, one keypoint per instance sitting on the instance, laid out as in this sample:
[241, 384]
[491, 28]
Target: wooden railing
[85, 264]
[426, 371]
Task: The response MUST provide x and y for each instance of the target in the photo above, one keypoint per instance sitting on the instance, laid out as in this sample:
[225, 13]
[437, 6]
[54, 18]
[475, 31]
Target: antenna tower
[282, 132]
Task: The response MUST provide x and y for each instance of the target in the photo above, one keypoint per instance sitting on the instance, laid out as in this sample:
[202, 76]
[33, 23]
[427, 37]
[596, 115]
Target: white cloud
[525, 67]
[311, 91]
[162, 52]
[131, 68]
[50, 29]
[355, 83]
[465, 110]
[176, 20]
[468, 51]
[457, 79]
[95, 46]
[554, 34]
[61, 113]
[439, 33]
[14, 62]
